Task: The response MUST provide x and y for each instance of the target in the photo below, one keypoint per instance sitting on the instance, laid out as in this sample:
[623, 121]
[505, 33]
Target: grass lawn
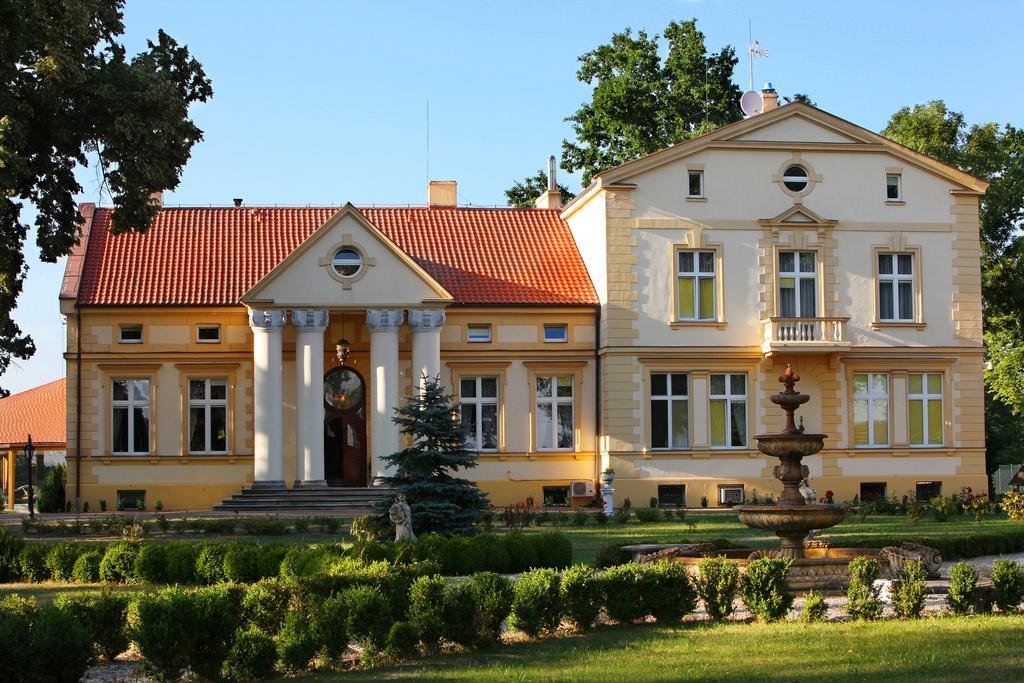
[943, 649]
[708, 526]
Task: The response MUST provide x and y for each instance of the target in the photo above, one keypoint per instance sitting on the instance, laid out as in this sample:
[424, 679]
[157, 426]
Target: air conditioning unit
[582, 489]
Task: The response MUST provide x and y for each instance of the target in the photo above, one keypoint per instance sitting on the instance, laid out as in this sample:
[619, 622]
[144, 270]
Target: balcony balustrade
[809, 334]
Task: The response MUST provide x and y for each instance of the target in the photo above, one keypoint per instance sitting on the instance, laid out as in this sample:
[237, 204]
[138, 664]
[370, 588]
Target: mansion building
[641, 327]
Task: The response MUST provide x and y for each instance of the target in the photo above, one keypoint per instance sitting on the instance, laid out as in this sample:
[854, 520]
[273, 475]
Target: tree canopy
[71, 94]
[524, 193]
[642, 103]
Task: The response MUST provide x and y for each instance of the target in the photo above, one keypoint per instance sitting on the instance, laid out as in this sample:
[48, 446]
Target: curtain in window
[906, 292]
[718, 422]
[808, 299]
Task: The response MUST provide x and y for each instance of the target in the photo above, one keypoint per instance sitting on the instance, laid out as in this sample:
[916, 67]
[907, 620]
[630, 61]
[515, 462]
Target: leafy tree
[525, 192]
[68, 92]
[799, 97]
[439, 502]
[641, 103]
[996, 154]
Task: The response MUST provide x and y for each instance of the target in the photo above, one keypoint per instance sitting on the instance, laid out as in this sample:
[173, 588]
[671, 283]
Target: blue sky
[325, 102]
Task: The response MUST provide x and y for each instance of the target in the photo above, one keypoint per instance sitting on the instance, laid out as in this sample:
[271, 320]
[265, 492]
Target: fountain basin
[791, 517]
[799, 444]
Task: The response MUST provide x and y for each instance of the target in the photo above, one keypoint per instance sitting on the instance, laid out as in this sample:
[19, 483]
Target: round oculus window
[347, 262]
[795, 178]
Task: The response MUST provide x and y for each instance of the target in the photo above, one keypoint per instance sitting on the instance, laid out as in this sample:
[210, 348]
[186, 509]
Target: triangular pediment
[386, 276]
[797, 215]
[798, 128]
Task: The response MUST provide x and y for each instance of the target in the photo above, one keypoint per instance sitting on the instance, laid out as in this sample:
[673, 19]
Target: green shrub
[16, 615]
[1007, 585]
[87, 567]
[581, 595]
[466, 556]
[60, 560]
[10, 552]
[151, 563]
[369, 616]
[536, 602]
[332, 627]
[493, 596]
[623, 590]
[180, 562]
[32, 562]
[296, 643]
[815, 608]
[763, 589]
[963, 587]
[942, 508]
[580, 517]
[610, 555]
[265, 604]
[401, 641]
[51, 493]
[178, 629]
[263, 526]
[251, 657]
[210, 563]
[460, 614]
[717, 584]
[60, 648]
[433, 547]
[553, 549]
[647, 515]
[668, 592]
[104, 615]
[427, 610]
[1012, 504]
[862, 596]
[242, 563]
[522, 552]
[118, 564]
[908, 590]
[269, 558]
[494, 553]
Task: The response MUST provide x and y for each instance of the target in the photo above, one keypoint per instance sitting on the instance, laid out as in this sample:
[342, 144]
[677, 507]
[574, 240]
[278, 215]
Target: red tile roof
[212, 256]
[40, 412]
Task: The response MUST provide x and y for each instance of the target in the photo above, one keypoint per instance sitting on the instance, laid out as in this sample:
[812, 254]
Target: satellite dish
[751, 103]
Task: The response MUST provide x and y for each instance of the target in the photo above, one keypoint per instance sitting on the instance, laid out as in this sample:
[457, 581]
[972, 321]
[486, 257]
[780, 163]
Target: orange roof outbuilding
[212, 256]
[40, 412]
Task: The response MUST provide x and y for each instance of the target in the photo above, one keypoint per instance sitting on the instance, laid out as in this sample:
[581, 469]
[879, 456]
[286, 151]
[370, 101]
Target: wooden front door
[345, 428]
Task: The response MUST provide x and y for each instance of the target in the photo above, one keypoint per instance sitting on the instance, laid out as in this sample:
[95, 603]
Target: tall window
[871, 409]
[695, 184]
[130, 412]
[670, 416]
[729, 411]
[555, 427]
[924, 392]
[207, 416]
[896, 287]
[696, 273]
[798, 289]
[478, 398]
[893, 187]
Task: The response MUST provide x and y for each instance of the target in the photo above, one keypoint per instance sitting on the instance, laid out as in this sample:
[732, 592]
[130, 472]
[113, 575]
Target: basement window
[131, 500]
[131, 334]
[730, 495]
[208, 334]
[556, 496]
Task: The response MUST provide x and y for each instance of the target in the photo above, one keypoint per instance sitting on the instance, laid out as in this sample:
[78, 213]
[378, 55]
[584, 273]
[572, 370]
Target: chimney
[769, 98]
[237, 201]
[157, 198]
[552, 198]
[441, 193]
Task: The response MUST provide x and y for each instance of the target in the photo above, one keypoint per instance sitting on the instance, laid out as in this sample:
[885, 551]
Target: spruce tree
[440, 502]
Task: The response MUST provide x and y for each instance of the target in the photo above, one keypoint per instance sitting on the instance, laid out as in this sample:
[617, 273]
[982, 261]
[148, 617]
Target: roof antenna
[428, 141]
[754, 50]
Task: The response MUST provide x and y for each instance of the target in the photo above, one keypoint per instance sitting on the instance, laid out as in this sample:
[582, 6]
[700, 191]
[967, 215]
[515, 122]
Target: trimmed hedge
[57, 647]
[499, 553]
[953, 546]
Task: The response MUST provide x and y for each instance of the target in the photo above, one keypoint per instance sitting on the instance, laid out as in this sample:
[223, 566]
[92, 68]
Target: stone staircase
[336, 500]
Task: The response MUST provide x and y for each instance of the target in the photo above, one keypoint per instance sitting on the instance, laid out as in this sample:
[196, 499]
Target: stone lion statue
[401, 515]
[893, 557]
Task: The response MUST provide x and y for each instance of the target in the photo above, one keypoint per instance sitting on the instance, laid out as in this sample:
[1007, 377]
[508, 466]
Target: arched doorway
[344, 428]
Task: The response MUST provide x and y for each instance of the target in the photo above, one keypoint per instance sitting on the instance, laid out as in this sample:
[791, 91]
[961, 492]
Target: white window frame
[899, 187]
[925, 396]
[700, 181]
[474, 441]
[698, 275]
[675, 402]
[126, 327]
[805, 179]
[554, 401]
[563, 328]
[208, 403]
[478, 328]
[870, 396]
[210, 326]
[721, 494]
[131, 404]
[896, 278]
[798, 275]
[730, 397]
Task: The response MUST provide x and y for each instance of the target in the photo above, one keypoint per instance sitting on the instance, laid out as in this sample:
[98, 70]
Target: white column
[267, 415]
[309, 396]
[384, 435]
[425, 325]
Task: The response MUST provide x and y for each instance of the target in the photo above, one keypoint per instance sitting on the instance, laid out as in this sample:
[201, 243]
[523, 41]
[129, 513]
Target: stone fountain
[793, 517]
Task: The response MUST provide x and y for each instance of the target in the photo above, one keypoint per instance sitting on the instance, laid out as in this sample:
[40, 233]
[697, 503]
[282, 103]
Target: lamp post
[30, 452]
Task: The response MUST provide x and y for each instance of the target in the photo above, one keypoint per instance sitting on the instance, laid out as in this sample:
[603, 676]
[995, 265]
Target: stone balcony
[803, 334]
